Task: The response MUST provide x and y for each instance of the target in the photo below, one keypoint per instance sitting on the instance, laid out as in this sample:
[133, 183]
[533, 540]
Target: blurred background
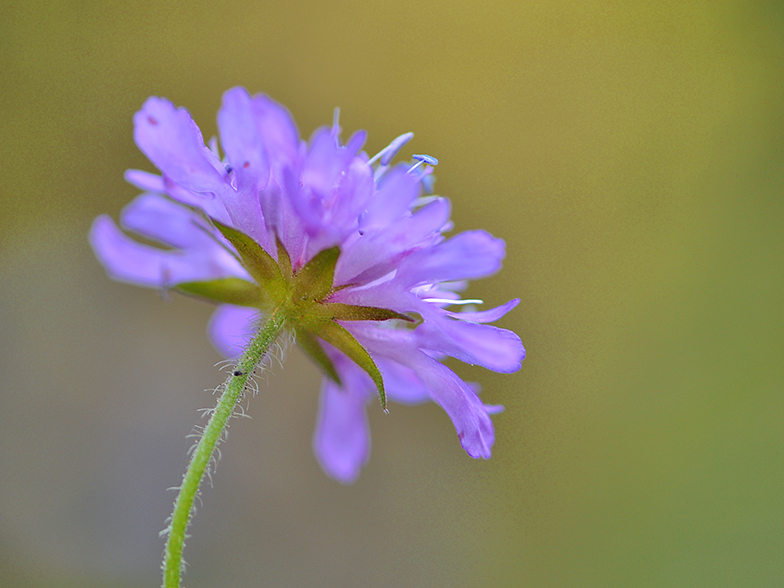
[631, 155]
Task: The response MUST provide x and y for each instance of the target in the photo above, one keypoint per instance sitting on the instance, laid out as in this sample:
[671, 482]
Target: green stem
[234, 387]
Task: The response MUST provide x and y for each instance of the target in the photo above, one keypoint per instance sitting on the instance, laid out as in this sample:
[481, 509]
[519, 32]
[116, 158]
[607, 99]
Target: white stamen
[449, 302]
[388, 152]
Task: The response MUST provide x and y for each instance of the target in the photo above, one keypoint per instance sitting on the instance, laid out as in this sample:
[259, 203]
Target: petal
[375, 254]
[401, 383]
[144, 180]
[496, 349]
[241, 141]
[129, 261]
[211, 205]
[470, 417]
[327, 160]
[393, 198]
[277, 129]
[485, 316]
[355, 189]
[245, 151]
[172, 141]
[231, 328]
[472, 254]
[341, 440]
[158, 218]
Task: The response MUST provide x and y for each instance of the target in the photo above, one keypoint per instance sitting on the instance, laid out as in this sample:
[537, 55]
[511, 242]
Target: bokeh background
[631, 155]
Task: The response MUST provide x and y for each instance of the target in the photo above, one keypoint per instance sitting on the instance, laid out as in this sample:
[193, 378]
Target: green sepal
[284, 262]
[341, 339]
[315, 351]
[258, 262]
[228, 290]
[314, 281]
[350, 312]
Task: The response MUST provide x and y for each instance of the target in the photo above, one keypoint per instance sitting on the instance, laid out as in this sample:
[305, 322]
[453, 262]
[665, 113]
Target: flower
[350, 246]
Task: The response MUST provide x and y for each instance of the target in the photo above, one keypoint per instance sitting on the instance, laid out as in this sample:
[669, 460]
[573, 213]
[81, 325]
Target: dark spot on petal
[246, 165]
[152, 121]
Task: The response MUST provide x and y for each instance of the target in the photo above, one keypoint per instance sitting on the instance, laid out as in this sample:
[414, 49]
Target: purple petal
[160, 219]
[375, 254]
[144, 180]
[172, 141]
[494, 408]
[472, 254]
[485, 316]
[493, 348]
[354, 190]
[470, 417]
[325, 162]
[276, 127]
[129, 261]
[231, 328]
[341, 440]
[395, 196]
[211, 205]
[241, 141]
[402, 384]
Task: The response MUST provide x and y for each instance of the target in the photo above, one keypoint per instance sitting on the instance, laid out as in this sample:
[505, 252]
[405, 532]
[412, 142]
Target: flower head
[350, 248]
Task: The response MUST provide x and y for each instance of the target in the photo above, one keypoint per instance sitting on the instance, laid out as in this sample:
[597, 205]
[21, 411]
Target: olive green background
[630, 154]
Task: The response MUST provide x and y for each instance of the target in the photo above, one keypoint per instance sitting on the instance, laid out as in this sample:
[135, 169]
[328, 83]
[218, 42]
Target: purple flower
[352, 246]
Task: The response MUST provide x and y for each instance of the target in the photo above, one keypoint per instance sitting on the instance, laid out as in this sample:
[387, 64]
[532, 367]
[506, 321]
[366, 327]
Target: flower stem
[233, 389]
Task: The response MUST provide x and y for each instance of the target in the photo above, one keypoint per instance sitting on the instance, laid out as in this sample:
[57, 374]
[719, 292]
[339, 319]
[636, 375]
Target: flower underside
[349, 252]
[302, 296]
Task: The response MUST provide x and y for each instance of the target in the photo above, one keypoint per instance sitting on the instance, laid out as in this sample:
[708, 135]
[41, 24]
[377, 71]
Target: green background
[630, 154]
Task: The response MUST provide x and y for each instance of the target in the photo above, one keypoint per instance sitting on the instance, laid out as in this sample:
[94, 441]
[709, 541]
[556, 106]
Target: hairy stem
[233, 389]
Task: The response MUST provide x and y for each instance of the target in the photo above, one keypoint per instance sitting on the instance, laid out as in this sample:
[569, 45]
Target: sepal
[341, 339]
[314, 281]
[258, 262]
[227, 290]
[315, 351]
[351, 312]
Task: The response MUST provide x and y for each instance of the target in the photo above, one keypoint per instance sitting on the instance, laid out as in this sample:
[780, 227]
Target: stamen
[336, 124]
[422, 158]
[388, 152]
[426, 158]
[450, 302]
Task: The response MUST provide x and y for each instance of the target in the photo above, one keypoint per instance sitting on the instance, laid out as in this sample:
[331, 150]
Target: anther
[426, 158]
[422, 158]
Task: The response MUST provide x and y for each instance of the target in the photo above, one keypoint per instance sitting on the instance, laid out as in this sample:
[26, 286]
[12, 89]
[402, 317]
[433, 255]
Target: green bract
[301, 296]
